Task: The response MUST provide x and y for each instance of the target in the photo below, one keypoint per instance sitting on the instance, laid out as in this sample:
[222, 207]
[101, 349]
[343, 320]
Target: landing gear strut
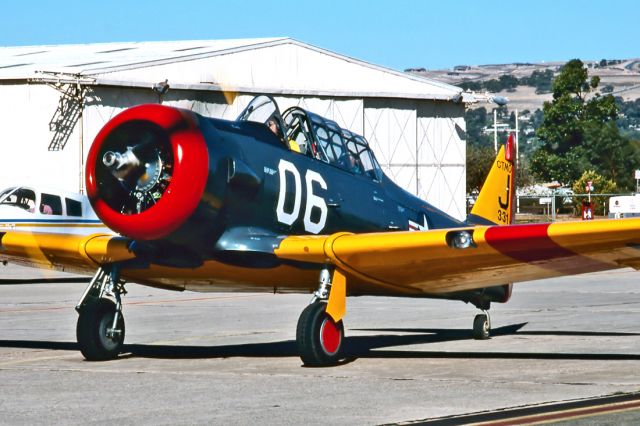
[100, 328]
[319, 338]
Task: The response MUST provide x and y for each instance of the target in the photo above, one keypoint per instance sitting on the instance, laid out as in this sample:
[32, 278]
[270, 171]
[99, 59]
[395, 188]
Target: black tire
[319, 338]
[481, 329]
[91, 329]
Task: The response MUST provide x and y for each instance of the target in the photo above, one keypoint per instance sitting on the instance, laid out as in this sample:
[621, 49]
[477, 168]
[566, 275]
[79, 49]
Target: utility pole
[495, 130]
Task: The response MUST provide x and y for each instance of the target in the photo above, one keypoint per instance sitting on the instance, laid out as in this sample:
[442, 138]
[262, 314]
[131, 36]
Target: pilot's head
[273, 126]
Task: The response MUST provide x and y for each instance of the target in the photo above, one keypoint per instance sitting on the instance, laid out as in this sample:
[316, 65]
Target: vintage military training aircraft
[292, 203]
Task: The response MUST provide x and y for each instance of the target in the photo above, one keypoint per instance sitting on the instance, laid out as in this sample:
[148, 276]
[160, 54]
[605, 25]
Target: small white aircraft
[36, 209]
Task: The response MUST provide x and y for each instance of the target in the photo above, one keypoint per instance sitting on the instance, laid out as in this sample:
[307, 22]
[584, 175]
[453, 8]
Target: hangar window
[50, 204]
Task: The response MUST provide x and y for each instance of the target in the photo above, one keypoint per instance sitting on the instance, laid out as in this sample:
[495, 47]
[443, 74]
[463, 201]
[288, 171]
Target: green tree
[612, 154]
[601, 185]
[471, 85]
[508, 82]
[567, 115]
[574, 111]
[477, 120]
[493, 86]
[479, 162]
[549, 167]
[541, 80]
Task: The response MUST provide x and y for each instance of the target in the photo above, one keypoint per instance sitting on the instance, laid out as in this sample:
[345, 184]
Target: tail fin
[495, 201]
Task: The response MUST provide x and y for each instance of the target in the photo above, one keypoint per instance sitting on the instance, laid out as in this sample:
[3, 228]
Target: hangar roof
[264, 65]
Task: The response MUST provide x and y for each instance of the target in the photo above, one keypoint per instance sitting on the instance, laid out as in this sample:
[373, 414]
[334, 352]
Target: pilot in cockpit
[353, 163]
[273, 126]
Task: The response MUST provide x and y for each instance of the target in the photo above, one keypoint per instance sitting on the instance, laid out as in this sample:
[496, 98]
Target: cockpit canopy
[314, 136]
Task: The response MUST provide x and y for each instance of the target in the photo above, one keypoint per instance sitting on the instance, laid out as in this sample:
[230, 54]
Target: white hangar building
[54, 100]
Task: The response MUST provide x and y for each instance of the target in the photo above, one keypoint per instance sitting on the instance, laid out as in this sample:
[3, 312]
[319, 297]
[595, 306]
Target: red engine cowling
[147, 171]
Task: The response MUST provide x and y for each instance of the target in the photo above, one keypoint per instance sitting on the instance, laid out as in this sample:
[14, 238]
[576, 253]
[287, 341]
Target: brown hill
[619, 77]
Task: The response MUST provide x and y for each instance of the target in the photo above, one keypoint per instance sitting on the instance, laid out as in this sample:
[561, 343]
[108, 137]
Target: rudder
[495, 201]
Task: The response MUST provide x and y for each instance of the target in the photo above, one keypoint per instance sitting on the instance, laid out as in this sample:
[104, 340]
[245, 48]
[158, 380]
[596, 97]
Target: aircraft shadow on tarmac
[370, 346]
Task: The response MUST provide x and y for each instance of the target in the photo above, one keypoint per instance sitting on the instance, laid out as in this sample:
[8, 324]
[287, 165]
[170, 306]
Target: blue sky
[398, 34]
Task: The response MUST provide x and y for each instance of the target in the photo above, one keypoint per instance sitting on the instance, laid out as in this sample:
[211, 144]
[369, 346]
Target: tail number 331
[312, 201]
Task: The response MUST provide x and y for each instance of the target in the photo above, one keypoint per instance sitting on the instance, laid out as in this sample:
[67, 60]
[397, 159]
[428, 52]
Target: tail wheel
[95, 319]
[481, 327]
[319, 338]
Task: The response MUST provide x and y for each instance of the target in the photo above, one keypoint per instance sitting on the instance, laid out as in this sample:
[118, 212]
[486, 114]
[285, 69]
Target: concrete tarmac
[221, 358]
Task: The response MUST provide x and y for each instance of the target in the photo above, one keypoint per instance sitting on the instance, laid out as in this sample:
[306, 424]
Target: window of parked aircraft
[74, 208]
[20, 197]
[4, 193]
[50, 204]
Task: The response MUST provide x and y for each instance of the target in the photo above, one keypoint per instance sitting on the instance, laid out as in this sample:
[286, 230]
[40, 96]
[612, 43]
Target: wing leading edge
[78, 253]
[427, 263]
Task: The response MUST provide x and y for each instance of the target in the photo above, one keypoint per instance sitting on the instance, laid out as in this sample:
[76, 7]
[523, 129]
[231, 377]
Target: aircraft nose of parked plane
[147, 171]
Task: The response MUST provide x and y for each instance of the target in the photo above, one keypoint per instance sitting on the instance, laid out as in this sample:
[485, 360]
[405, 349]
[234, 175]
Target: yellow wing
[392, 263]
[77, 253]
[428, 262]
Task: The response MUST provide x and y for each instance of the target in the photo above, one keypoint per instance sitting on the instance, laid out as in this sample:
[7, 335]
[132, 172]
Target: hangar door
[390, 128]
[442, 156]
[421, 146]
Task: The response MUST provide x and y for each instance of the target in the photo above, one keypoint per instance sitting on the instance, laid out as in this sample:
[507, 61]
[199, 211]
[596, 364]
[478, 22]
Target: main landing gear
[319, 337]
[100, 328]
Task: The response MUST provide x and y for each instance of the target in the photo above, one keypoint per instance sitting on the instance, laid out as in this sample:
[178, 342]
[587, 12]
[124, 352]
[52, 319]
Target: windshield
[263, 109]
[259, 110]
[19, 197]
[6, 192]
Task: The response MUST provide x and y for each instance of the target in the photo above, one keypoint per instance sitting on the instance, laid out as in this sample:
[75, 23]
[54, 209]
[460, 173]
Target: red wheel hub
[330, 336]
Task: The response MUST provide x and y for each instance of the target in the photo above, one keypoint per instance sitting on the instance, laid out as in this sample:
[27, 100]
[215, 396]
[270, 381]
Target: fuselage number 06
[312, 200]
